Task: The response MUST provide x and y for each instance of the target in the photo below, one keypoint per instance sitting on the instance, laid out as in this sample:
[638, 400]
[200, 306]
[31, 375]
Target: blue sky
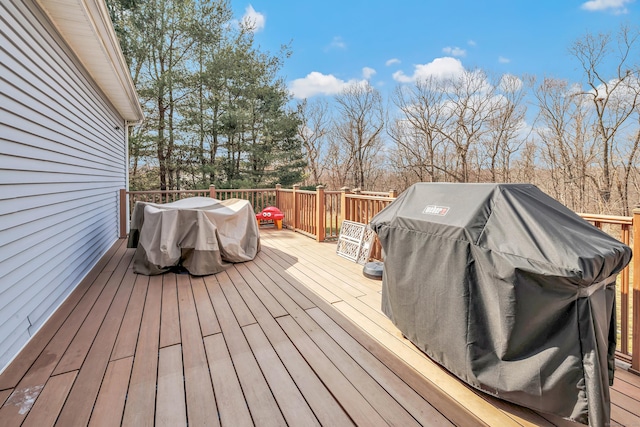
[392, 42]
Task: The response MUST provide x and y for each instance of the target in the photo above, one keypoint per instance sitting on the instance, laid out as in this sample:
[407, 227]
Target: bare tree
[567, 144]
[419, 145]
[628, 167]
[412, 160]
[612, 90]
[358, 128]
[455, 128]
[470, 106]
[506, 128]
[524, 167]
[313, 129]
[339, 163]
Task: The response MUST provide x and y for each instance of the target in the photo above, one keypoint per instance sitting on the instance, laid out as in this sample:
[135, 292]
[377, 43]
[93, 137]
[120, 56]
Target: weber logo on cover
[436, 210]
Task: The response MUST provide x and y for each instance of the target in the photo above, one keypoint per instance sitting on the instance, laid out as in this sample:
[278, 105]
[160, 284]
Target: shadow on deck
[294, 337]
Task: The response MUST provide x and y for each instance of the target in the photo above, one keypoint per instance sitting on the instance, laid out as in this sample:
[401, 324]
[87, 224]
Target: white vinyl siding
[62, 163]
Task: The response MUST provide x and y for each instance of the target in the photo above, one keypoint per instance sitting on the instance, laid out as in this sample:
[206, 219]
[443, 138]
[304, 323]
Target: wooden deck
[295, 337]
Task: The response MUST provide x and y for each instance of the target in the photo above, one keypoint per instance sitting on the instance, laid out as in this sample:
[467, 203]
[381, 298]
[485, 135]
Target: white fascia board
[86, 27]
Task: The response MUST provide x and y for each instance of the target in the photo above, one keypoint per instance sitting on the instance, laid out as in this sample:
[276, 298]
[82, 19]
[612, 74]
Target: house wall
[62, 162]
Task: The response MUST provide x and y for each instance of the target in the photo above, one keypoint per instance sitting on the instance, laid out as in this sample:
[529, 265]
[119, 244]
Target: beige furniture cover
[201, 234]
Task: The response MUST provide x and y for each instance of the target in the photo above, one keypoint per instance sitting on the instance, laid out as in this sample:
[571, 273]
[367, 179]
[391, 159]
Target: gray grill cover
[202, 234]
[508, 289]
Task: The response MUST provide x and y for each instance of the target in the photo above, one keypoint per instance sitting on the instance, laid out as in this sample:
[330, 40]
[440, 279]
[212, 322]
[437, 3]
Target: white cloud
[623, 96]
[472, 43]
[392, 61]
[316, 83]
[510, 83]
[253, 20]
[454, 51]
[439, 67]
[616, 6]
[368, 72]
[503, 60]
[336, 43]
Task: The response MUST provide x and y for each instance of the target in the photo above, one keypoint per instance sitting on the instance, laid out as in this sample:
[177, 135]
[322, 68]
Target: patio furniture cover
[202, 234]
[508, 289]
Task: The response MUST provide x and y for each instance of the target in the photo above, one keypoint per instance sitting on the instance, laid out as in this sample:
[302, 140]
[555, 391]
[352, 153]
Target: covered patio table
[201, 234]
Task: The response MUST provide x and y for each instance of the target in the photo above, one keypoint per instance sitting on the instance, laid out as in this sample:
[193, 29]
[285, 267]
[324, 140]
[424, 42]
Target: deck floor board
[232, 408]
[4, 395]
[207, 317]
[127, 339]
[83, 394]
[170, 317]
[140, 406]
[32, 381]
[49, 404]
[292, 403]
[326, 408]
[262, 405]
[171, 408]
[413, 402]
[360, 411]
[113, 392]
[10, 377]
[199, 390]
[366, 309]
[295, 337]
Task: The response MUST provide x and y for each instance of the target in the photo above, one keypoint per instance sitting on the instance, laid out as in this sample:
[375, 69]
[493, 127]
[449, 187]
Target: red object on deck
[271, 213]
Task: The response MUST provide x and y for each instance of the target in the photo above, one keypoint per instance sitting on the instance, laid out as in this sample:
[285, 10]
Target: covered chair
[508, 289]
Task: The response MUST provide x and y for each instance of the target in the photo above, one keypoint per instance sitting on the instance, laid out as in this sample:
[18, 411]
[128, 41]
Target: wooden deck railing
[259, 198]
[626, 295]
[362, 206]
[319, 215]
[300, 208]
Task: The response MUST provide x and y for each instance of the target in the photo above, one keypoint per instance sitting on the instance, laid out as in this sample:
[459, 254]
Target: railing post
[277, 201]
[624, 294]
[296, 214]
[393, 194]
[321, 214]
[212, 191]
[355, 211]
[635, 343]
[123, 213]
[344, 207]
